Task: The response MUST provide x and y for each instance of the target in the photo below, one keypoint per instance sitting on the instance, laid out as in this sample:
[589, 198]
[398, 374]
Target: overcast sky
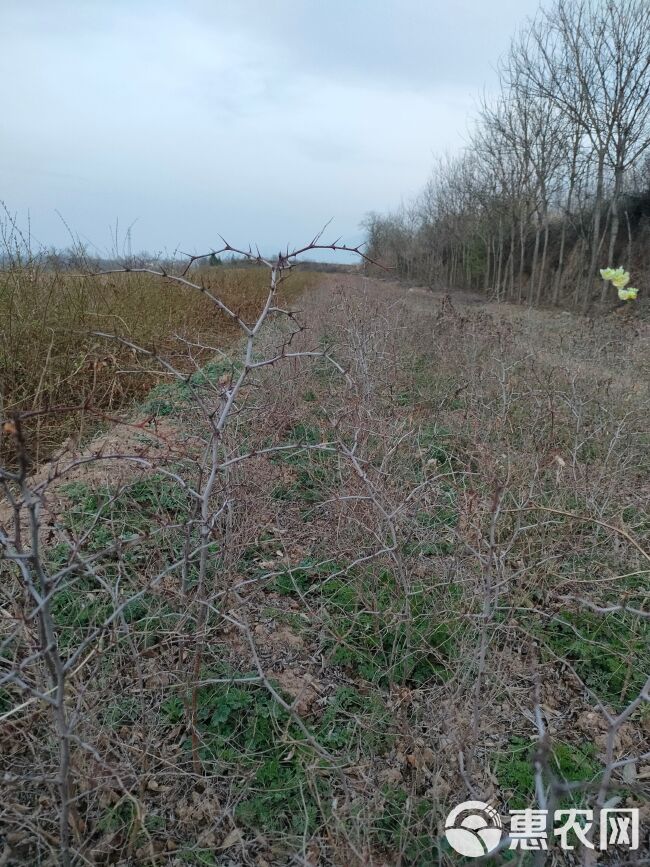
[256, 119]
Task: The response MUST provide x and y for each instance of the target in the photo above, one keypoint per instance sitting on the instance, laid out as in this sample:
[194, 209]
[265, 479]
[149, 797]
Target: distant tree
[553, 174]
[592, 61]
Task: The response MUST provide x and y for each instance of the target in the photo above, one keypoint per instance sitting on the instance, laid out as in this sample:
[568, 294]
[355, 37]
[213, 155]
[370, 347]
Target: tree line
[554, 183]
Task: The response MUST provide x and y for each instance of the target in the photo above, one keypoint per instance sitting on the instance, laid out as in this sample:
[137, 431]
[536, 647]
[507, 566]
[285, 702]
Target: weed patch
[611, 653]
[567, 764]
[244, 733]
[375, 629]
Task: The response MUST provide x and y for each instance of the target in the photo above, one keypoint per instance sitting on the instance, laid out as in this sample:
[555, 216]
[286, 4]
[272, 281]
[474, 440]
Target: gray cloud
[256, 119]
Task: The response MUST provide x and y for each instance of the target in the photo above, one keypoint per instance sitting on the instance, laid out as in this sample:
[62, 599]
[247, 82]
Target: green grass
[314, 469]
[611, 653]
[432, 535]
[123, 711]
[99, 517]
[355, 722]
[102, 516]
[377, 631]
[138, 505]
[84, 605]
[404, 823]
[167, 398]
[127, 827]
[170, 398]
[298, 623]
[246, 734]
[282, 788]
[568, 763]
[432, 449]
[308, 575]
[263, 549]
[6, 700]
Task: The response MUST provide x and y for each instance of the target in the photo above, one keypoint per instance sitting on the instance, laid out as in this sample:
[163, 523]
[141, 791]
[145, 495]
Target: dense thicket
[555, 181]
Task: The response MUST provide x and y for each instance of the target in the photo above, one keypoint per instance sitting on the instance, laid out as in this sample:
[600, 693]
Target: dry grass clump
[51, 359]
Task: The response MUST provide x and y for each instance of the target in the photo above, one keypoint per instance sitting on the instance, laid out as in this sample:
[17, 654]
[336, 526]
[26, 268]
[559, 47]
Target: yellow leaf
[621, 280]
